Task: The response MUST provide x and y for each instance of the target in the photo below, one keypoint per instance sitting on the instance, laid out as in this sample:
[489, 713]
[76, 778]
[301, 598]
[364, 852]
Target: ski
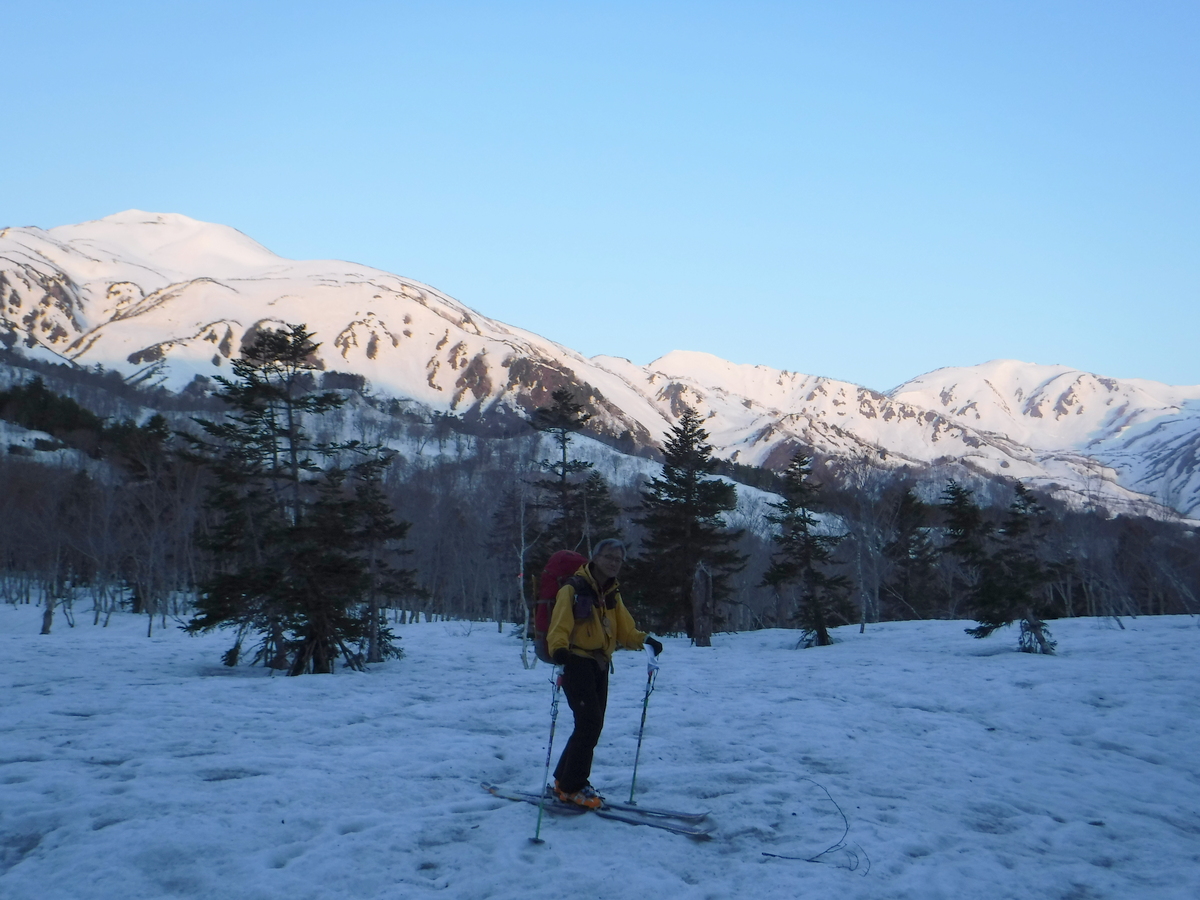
[631, 815]
[655, 811]
[616, 806]
[695, 831]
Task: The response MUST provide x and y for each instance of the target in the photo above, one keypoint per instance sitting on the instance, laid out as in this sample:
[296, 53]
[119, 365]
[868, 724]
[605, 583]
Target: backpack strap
[585, 596]
[583, 589]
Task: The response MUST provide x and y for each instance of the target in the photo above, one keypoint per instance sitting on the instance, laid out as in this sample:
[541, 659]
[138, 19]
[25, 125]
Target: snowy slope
[1046, 407]
[164, 298]
[1148, 432]
[140, 768]
[759, 416]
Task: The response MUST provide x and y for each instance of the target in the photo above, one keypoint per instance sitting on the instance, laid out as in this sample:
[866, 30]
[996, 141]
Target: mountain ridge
[165, 299]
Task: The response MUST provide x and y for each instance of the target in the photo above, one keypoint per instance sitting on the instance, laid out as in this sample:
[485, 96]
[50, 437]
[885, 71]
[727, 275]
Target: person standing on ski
[587, 625]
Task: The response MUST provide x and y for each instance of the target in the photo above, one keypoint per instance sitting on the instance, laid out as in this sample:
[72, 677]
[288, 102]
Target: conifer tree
[965, 545]
[805, 556]
[966, 530]
[682, 512]
[36, 407]
[600, 512]
[295, 537]
[561, 419]
[1002, 574]
[912, 558]
[378, 534]
[1014, 576]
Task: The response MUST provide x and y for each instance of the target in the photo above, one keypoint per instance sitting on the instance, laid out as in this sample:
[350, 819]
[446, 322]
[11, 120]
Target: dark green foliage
[376, 533]
[682, 513]
[568, 525]
[36, 407]
[1003, 576]
[965, 534]
[966, 530]
[600, 512]
[138, 448]
[343, 381]
[805, 555]
[1013, 578]
[910, 587]
[754, 476]
[300, 541]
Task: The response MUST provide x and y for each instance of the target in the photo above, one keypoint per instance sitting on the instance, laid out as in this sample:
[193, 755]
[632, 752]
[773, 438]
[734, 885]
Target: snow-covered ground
[135, 767]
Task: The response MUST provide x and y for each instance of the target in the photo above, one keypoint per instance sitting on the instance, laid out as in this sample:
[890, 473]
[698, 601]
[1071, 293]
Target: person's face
[609, 562]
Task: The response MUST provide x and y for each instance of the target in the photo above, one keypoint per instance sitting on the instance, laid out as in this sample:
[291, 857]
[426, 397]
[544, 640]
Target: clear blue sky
[861, 190]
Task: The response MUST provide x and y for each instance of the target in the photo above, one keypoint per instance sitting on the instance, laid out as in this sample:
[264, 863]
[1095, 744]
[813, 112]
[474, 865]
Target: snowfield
[135, 767]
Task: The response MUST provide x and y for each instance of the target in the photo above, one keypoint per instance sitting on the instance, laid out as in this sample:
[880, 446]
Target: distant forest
[167, 505]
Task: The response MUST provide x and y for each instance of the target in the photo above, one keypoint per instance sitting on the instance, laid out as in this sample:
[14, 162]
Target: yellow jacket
[608, 626]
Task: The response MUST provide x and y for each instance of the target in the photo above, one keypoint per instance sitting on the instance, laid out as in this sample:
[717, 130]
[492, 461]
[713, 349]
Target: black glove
[654, 645]
[561, 655]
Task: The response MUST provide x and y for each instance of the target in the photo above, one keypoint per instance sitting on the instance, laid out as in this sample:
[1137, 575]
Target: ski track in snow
[138, 767]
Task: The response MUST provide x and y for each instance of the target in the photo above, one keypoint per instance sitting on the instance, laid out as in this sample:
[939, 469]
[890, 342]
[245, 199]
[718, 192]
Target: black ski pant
[585, 683]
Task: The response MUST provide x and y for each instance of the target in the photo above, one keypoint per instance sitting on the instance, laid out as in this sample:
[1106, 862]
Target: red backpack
[561, 566]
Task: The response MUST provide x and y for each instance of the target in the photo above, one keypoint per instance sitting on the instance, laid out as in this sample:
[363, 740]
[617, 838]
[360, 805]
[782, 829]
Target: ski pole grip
[652, 663]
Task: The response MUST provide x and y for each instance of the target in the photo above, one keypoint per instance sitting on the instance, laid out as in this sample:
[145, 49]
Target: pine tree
[682, 512]
[296, 538]
[36, 407]
[965, 544]
[1014, 576]
[805, 555]
[966, 530]
[378, 533]
[561, 419]
[1001, 571]
[912, 558]
[600, 512]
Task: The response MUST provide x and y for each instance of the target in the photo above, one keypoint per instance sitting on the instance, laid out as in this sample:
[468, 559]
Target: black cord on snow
[839, 844]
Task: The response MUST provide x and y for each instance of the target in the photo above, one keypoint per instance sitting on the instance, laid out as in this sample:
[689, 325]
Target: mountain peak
[171, 240]
[705, 368]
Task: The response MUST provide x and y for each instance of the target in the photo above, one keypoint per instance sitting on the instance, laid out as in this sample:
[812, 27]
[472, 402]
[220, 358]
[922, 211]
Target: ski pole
[557, 680]
[651, 672]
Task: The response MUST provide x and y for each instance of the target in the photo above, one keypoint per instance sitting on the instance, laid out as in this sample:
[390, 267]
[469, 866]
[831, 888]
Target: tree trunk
[373, 654]
[275, 651]
[1034, 626]
[820, 624]
[821, 628]
[48, 615]
[862, 591]
[702, 606]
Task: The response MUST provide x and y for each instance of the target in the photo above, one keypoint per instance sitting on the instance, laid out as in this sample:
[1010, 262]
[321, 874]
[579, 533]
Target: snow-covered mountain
[164, 299]
[1147, 432]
